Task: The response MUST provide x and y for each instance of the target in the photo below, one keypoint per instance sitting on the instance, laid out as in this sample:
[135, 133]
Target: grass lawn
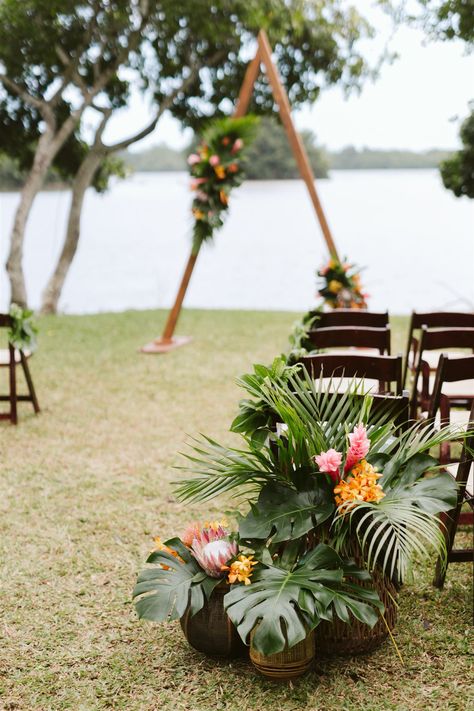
[88, 482]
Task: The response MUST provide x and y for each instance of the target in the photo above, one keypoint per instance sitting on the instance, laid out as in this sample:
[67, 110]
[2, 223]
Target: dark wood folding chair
[431, 319]
[430, 342]
[10, 358]
[387, 370]
[454, 517]
[351, 317]
[351, 337]
[451, 370]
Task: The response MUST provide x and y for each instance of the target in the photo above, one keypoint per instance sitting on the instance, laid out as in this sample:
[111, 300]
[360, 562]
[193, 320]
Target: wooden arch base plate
[165, 345]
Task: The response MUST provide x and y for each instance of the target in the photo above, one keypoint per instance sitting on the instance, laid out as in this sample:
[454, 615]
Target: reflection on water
[415, 238]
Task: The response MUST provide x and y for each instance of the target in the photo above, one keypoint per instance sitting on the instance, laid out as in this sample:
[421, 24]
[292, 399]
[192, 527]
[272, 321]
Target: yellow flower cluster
[334, 286]
[361, 486]
[241, 569]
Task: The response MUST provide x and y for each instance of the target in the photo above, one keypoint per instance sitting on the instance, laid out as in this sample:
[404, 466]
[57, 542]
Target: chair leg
[29, 382]
[13, 394]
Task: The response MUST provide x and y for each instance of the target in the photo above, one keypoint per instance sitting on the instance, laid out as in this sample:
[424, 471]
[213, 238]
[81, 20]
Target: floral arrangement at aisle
[23, 331]
[216, 168]
[337, 501]
[340, 285]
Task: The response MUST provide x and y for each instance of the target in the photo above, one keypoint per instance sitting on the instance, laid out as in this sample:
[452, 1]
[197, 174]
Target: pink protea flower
[193, 158]
[238, 145]
[359, 447]
[329, 463]
[214, 160]
[212, 549]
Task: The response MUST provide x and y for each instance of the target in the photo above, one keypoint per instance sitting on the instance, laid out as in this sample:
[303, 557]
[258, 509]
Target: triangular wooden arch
[263, 56]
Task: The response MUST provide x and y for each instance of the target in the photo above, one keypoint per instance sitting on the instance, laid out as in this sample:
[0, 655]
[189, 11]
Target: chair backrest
[348, 336]
[385, 369]
[450, 371]
[435, 340]
[351, 317]
[435, 319]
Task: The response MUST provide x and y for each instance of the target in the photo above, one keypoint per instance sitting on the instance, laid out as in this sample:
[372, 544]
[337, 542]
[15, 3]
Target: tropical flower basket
[336, 502]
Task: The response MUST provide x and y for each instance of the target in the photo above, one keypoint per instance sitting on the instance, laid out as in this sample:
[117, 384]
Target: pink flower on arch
[238, 145]
[214, 160]
[196, 182]
[359, 447]
[193, 159]
[329, 463]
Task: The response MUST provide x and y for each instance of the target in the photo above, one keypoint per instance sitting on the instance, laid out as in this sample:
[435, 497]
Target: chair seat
[5, 356]
[432, 357]
[453, 468]
[462, 388]
[353, 351]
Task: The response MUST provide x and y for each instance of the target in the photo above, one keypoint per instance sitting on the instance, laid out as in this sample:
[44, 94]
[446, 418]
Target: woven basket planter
[210, 630]
[288, 664]
[338, 638]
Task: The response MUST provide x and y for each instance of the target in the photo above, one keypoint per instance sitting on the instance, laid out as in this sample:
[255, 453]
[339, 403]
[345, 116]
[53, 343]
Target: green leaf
[283, 513]
[165, 593]
[281, 606]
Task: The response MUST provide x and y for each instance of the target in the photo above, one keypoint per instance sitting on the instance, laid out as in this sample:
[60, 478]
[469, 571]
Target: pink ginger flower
[359, 447]
[238, 145]
[214, 160]
[212, 549]
[193, 158]
[329, 463]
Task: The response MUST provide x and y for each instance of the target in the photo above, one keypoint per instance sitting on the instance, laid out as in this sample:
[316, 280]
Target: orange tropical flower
[223, 197]
[241, 569]
[199, 214]
[233, 168]
[361, 486]
[220, 171]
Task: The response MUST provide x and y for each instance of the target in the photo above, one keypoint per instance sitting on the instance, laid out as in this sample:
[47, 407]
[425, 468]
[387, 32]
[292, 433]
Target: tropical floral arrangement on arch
[340, 285]
[334, 497]
[340, 288]
[216, 168]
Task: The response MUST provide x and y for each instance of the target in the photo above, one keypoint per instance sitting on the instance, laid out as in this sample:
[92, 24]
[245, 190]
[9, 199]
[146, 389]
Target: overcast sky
[411, 105]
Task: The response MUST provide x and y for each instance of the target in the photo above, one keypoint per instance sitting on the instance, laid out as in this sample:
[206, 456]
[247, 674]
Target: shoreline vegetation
[269, 157]
[163, 159]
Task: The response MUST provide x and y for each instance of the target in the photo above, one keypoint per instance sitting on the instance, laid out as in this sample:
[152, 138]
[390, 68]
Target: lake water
[415, 238]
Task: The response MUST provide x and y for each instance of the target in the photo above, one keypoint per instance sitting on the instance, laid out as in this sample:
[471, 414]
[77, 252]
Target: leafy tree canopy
[458, 172]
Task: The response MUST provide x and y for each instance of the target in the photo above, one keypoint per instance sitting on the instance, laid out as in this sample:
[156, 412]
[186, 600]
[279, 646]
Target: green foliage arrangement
[216, 168]
[24, 331]
[321, 472]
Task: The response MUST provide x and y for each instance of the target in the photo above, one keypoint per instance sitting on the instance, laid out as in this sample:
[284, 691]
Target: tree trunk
[82, 181]
[43, 158]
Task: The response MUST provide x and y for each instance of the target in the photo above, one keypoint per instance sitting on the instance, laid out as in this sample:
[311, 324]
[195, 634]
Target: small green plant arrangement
[23, 331]
[216, 169]
[320, 475]
[340, 285]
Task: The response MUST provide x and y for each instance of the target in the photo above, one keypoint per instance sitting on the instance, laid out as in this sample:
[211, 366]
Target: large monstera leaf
[281, 606]
[165, 592]
[283, 513]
